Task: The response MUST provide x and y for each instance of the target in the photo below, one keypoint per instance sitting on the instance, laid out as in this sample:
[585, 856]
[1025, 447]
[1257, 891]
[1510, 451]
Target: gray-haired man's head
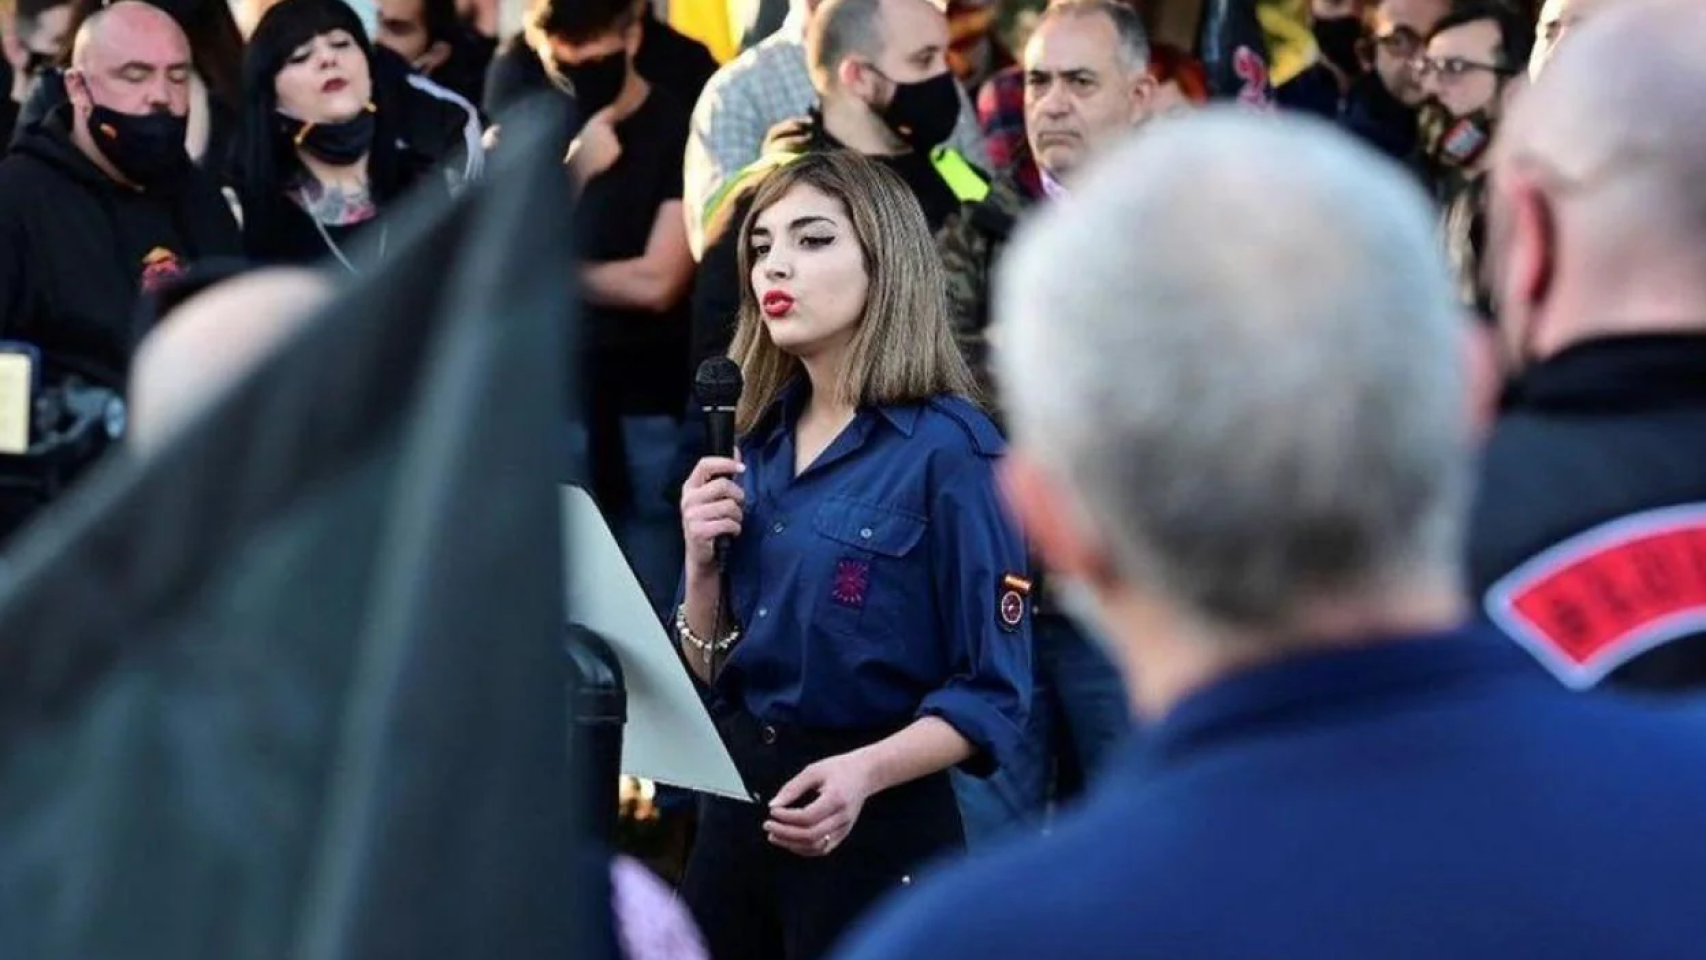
[1237, 376]
[1086, 81]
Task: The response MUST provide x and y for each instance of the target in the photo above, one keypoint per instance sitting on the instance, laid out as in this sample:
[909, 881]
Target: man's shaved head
[128, 28]
[1557, 18]
[1598, 201]
[212, 341]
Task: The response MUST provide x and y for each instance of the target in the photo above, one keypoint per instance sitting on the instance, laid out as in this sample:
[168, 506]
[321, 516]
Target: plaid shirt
[1001, 113]
[756, 91]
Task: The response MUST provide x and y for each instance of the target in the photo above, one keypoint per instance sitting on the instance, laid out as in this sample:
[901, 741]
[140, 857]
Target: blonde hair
[902, 350]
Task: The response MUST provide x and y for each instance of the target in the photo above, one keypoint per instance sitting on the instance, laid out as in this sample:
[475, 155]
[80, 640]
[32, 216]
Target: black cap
[718, 383]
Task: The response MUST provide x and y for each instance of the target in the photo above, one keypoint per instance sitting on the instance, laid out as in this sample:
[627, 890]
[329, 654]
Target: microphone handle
[720, 442]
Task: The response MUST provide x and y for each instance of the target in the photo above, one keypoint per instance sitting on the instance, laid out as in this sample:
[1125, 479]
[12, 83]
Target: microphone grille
[718, 382]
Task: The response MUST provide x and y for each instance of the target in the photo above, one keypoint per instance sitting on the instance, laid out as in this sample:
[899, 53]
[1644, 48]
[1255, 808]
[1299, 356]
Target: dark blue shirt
[869, 588]
[1432, 797]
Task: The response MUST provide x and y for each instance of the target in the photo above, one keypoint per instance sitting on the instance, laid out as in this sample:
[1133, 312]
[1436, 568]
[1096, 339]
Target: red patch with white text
[1011, 596]
[1599, 599]
[852, 582]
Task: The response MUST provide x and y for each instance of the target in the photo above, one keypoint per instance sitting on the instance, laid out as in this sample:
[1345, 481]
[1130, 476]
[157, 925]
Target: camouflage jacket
[971, 242]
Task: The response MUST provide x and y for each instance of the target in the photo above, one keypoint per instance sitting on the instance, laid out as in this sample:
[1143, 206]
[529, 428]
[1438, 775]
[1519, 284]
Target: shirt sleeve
[726, 135]
[980, 563]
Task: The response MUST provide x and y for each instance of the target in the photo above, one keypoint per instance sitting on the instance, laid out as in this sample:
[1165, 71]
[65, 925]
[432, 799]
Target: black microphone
[717, 385]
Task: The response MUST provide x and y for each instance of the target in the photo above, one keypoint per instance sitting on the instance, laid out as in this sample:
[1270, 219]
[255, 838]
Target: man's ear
[77, 91]
[851, 76]
[1533, 243]
[1043, 510]
[1143, 89]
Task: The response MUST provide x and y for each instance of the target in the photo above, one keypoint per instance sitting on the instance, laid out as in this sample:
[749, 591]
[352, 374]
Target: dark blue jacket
[1588, 540]
[1435, 797]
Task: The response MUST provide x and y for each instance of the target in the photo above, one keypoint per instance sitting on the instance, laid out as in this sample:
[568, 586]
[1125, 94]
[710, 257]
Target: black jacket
[76, 248]
[1588, 543]
[429, 137]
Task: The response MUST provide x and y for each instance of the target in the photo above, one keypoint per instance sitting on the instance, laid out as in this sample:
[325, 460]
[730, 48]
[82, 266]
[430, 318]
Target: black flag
[293, 686]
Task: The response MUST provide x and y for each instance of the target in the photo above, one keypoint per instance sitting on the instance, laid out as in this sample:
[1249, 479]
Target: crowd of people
[1322, 413]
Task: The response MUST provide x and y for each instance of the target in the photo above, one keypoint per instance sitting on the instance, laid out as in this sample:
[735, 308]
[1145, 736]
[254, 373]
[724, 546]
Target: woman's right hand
[712, 506]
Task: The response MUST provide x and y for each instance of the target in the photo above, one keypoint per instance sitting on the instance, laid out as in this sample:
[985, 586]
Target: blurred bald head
[1557, 19]
[120, 29]
[1597, 209]
[212, 341]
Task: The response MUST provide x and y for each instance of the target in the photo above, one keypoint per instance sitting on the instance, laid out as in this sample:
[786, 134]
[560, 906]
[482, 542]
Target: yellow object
[708, 22]
[1290, 40]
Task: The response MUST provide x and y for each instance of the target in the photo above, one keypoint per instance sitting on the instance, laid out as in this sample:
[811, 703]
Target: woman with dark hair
[216, 48]
[322, 146]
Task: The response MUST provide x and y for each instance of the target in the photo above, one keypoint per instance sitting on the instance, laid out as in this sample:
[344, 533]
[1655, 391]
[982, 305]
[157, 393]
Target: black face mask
[1452, 142]
[339, 144]
[147, 149]
[1338, 37]
[923, 114]
[597, 83]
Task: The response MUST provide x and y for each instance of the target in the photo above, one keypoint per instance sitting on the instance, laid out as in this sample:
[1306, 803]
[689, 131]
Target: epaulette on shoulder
[985, 438]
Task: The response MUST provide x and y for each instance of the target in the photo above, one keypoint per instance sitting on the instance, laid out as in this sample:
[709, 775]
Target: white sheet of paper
[16, 375]
[669, 736]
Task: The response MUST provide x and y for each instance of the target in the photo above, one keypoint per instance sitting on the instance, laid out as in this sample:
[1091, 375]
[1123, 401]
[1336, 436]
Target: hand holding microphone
[712, 507]
[712, 501]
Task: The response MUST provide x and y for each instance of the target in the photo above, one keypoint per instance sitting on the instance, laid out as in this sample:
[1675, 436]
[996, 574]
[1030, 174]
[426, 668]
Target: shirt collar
[1320, 687]
[902, 418]
[785, 410]
[1608, 374]
[781, 413]
[1052, 188]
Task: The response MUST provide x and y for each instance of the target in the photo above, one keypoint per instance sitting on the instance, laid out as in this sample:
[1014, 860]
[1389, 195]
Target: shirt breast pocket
[874, 565]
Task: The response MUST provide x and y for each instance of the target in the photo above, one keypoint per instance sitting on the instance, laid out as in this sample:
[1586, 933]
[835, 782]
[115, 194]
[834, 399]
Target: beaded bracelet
[693, 640]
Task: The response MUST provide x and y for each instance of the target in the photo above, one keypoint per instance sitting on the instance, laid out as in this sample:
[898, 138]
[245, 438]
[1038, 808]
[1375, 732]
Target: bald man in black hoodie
[99, 203]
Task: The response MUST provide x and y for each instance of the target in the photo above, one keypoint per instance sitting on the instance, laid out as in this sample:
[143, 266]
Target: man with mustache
[1087, 85]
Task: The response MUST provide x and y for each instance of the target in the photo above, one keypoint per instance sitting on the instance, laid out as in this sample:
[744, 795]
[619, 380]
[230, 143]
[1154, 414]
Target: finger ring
[824, 843]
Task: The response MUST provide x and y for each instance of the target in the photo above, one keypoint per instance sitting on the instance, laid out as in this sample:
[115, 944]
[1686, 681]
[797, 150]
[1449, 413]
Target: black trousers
[756, 901]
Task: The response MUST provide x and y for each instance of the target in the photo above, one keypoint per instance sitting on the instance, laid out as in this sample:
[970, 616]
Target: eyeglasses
[1452, 68]
[1400, 42]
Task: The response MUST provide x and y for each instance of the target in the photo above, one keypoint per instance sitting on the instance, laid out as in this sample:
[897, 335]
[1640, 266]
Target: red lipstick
[777, 303]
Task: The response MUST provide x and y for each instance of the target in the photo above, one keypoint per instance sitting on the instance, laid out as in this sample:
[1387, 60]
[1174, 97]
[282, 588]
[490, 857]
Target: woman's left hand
[838, 788]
